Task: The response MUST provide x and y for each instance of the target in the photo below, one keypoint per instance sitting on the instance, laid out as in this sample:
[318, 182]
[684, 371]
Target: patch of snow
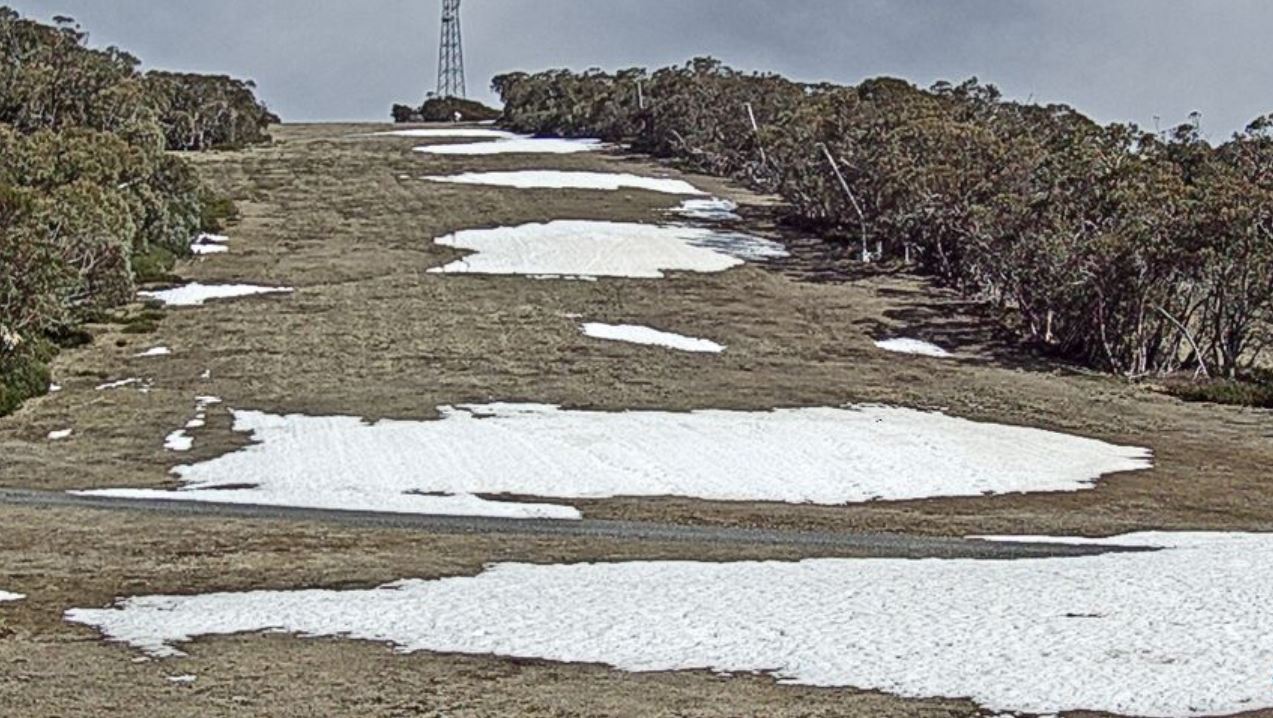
[155, 352]
[210, 244]
[450, 133]
[61, 435]
[1178, 632]
[179, 441]
[196, 294]
[829, 456]
[710, 210]
[118, 384]
[6, 597]
[182, 680]
[206, 375]
[582, 249]
[913, 346]
[555, 179]
[520, 145]
[206, 249]
[650, 337]
[55, 388]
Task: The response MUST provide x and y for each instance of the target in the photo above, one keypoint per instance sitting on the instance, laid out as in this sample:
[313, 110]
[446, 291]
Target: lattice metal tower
[451, 53]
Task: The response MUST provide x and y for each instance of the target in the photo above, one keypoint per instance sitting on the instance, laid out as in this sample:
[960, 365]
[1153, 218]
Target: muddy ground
[344, 219]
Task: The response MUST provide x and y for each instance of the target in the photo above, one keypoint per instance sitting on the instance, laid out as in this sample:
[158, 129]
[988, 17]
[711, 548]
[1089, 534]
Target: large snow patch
[828, 456]
[1183, 631]
[558, 179]
[6, 597]
[576, 248]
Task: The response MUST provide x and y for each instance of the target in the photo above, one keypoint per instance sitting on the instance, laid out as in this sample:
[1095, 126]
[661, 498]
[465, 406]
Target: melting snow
[1183, 631]
[118, 384]
[179, 441]
[210, 244]
[913, 346]
[194, 295]
[9, 597]
[55, 388]
[61, 434]
[554, 179]
[822, 455]
[520, 145]
[711, 210]
[156, 352]
[601, 249]
[449, 132]
[650, 337]
[183, 680]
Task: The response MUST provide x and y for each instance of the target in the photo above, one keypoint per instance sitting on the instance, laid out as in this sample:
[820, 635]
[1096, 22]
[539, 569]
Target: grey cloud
[1118, 60]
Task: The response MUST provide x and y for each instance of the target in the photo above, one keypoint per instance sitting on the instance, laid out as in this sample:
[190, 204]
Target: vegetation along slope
[1135, 252]
[92, 198]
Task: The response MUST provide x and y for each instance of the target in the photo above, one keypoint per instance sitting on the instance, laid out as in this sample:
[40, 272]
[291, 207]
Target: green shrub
[216, 213]
[23, 375]
[1254, 391]
[154, 265]
[438, 109]
[141, 326]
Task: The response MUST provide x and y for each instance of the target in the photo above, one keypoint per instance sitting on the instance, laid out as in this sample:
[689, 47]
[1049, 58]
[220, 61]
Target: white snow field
[6, 597]
[828, 456]
[579, 249]
[450, 133]
[710, 210]
[557, 179]
[515, 146]
[210, 244]
[649, 336]
[913, 346]
[60, 434]
[196, 294]
[154, 352]
[1179, 632]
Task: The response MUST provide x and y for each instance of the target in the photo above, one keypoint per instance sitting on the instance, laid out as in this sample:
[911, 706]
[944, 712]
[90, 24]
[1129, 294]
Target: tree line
[1141, 253]
[444, 109]
[91, 193]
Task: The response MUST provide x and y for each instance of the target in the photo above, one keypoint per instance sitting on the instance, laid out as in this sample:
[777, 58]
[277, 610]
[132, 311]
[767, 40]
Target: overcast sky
[1117, 60]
